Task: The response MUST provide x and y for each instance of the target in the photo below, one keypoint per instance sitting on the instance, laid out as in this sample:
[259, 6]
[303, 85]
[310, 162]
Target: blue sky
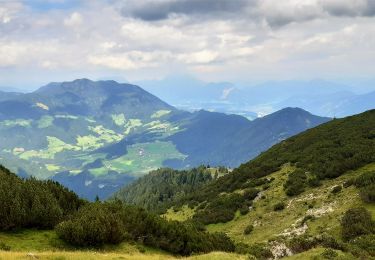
[44, 5]
[212, 40]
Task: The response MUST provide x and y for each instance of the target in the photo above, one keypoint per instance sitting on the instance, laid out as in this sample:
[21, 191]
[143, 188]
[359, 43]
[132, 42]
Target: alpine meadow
[187, 129]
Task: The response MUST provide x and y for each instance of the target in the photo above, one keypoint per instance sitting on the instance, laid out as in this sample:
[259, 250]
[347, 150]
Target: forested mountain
[160, 188]
[216, 139]
[94, 137]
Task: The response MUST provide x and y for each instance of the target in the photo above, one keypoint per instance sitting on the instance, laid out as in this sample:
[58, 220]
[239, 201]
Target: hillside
[68, 222]
[96, 136]
[160, 188]
[217, 139]
[293, 197]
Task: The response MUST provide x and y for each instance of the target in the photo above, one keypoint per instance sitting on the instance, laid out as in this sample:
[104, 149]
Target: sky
[212, 40]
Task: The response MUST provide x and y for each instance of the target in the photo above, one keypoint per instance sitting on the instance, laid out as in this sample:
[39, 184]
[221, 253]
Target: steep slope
[222, 140]
[292, 198]
[58, 132]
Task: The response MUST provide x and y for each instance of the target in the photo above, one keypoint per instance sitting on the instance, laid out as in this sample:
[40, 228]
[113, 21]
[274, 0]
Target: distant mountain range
[320, 97]
[96, 136]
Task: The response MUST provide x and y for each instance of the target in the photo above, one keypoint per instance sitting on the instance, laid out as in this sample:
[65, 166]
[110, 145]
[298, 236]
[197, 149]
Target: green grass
[160, 113]
[16, 122]
[45, 121]
[119, 119]
[140, 159]
[182, 214]
[46, 245]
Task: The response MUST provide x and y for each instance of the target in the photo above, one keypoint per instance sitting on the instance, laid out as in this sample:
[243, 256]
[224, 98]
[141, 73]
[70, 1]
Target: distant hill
[217, 139]
[95, 137]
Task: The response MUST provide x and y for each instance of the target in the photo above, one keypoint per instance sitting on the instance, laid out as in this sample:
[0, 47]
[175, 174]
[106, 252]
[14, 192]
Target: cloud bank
[211, 39]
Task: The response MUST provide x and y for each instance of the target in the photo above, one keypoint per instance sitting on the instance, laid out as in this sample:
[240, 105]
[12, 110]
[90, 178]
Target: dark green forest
[161, 188]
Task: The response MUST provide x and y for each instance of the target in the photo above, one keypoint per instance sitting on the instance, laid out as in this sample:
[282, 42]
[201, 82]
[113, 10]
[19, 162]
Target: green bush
[260, 251]
[111, 222]
[279, 206]
[248, 229]
[367, 193]
[329, 254]
[244, 210]
[4, 247]
[348, 183]
[93, 225]
[356, 222]
[365, 243]
[302, 243]
[336, 189]
[296, 183]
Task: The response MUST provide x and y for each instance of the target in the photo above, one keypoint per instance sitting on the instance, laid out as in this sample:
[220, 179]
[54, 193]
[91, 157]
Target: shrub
[295, 184]
[248, 229]
[266, 186]
[250, 194]
[329, 254]
[367, 193]
[348, 183]
[221, 210]
[4, 246]
[301, 243]
[365, 179]
[111, 222]
[279, 206]
[365, 243]
[260, 251]
[313, 181]
[94, 225]
[336, 189]
[356, 222]
[244, 210]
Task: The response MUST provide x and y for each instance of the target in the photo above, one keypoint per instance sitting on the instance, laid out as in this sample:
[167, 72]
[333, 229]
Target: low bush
[248, 229]
[356, 222]
[296, 183]
[260, 251]
[111, 222]
[302, 243]
[365, 243]
[367, 193]
[329, 254]
[279, 206]
[4, 247]
[244, 210]
[336, 189]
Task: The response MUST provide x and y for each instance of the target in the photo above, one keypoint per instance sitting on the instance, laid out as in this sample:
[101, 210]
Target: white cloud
[263, 39]
[75, 19]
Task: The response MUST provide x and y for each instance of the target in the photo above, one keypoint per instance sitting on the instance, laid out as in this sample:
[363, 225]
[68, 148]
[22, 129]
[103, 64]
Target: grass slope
[27, 244]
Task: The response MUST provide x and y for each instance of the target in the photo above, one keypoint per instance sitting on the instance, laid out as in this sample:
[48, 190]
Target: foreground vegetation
[45, 205]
